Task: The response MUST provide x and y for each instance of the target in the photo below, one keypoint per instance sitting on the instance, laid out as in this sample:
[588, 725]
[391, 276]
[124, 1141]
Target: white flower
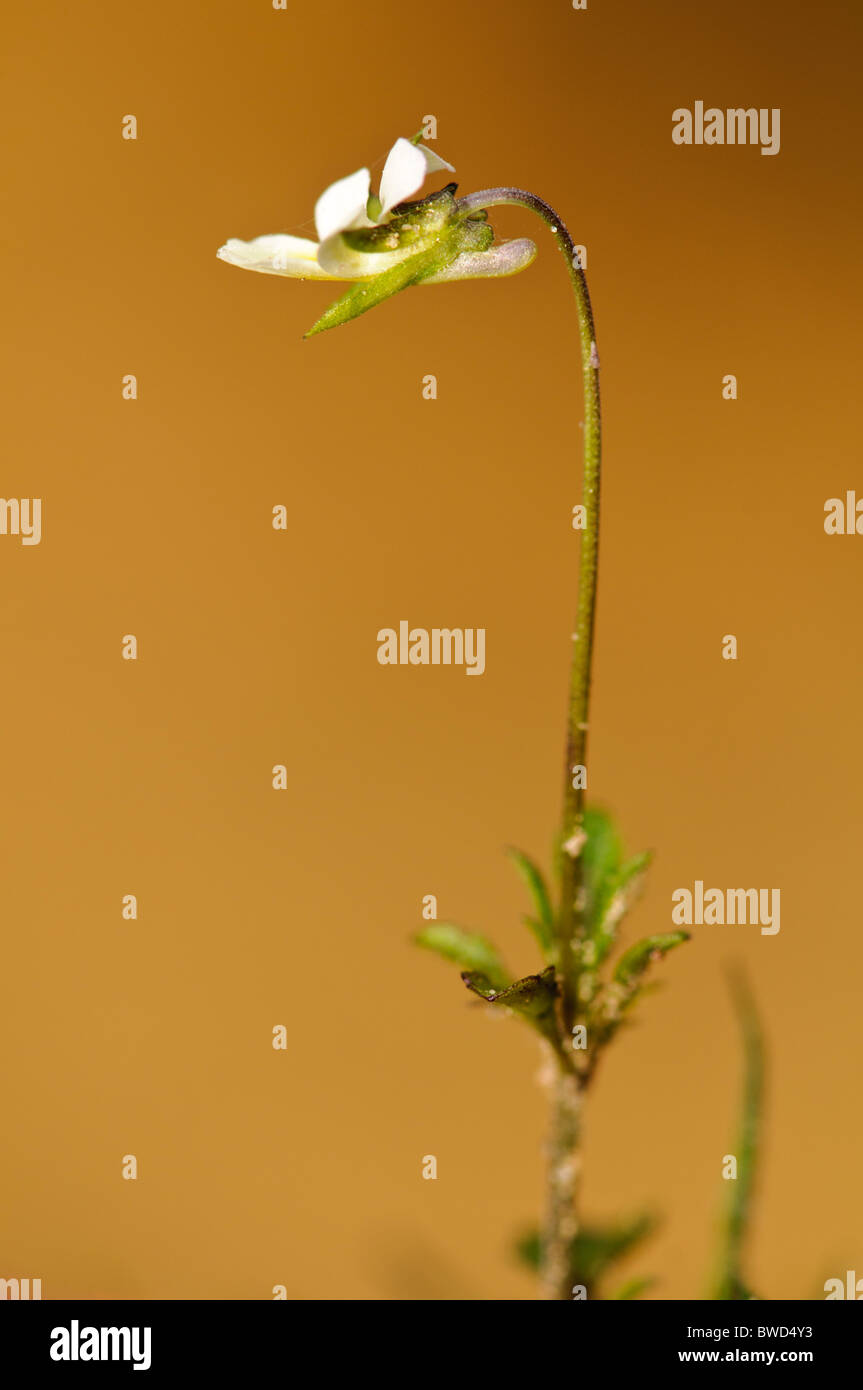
[344, 206]
[385, 242]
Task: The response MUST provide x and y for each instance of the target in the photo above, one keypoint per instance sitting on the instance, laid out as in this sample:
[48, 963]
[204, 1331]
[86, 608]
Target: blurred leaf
[598, 1247]
[634, 962]
[467, 949]
[633, 1287]
[542, 925]
[729, 1283]
[616, 897]
[532, 997]
[594, 1251]
[600, 858]
[528, 1249]
[539, 932]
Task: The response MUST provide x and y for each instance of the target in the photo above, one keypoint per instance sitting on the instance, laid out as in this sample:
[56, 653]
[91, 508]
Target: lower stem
[564, 1171]
[564, 1158]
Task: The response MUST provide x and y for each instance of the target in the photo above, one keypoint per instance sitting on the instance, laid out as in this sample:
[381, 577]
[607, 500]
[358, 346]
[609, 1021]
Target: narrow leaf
[634, 962]
[633, 1288]
[542, 925]
[614, 900]
[540, 932]
[730, 1283]
[467, 949]
[600, 857]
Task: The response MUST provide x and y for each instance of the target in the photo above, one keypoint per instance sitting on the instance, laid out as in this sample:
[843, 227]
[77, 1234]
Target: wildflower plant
[584, 989]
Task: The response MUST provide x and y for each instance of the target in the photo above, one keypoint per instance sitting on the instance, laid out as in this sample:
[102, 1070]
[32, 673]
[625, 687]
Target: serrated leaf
[532, 997]
[542, 925]
[467, 949]
[634, 962]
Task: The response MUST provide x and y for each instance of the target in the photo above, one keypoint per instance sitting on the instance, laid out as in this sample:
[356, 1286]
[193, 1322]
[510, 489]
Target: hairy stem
[564, 1165]
[568, 925]
[564, 1159]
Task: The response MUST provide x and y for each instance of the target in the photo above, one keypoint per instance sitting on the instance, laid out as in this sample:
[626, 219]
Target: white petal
[343, 205]
[276, 255]
[342, 262]
[434, 161]
[507, 258]
[404, 173]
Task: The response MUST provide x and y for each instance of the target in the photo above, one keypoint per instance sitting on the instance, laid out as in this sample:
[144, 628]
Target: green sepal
[410, 223]
[467, 949]
[439, 242]
[634, 962]
[366, 294]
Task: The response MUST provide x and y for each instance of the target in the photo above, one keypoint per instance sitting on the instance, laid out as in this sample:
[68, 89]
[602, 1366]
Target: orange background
[257, 647]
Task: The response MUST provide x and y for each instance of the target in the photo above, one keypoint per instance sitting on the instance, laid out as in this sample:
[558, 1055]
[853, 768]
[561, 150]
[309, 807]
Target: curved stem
[569, 925]
[563, 1156]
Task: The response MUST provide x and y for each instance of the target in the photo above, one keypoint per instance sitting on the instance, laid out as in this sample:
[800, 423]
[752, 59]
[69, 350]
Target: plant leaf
[615, 898]
[528, 1249]
[729, 1283]
[596, 1248]
[467, 949]
[634, 962]
[542, 925]
[600, 857]
[633, 1287]
[539, 931]
[533, 997]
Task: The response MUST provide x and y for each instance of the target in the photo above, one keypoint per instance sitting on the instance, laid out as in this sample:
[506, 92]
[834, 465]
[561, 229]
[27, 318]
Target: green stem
[579, 689]
[564, 1157]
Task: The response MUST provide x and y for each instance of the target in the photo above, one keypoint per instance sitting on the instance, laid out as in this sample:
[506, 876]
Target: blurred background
[256, 908]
